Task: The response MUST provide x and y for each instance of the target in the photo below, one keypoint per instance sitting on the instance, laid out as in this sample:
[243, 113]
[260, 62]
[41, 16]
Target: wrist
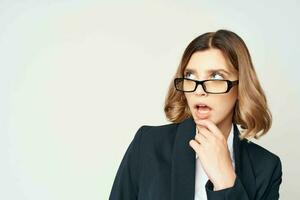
[229, 182]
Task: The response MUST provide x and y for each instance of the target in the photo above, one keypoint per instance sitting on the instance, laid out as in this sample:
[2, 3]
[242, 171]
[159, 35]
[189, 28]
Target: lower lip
[203, 113]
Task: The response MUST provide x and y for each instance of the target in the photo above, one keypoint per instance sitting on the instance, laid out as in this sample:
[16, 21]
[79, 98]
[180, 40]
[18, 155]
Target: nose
[200, 91]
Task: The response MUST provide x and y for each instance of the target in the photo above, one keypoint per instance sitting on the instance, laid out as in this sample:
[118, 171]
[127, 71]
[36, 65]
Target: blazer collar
[183, 162]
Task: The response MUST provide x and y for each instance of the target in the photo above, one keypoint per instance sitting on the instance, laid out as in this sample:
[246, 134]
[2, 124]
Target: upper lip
[199, 104]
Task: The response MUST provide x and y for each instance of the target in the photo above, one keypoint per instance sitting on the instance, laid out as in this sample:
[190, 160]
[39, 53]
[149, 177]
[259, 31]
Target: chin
[209, 117]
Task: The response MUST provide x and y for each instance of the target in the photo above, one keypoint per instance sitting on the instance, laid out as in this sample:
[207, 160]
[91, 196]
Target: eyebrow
[208, 71]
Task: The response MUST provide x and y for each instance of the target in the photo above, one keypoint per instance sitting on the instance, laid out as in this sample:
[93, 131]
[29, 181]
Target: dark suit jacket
[159, 164]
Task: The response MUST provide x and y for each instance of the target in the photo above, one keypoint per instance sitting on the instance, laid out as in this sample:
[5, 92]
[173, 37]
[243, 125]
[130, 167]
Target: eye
[217, 74]
[187, 74]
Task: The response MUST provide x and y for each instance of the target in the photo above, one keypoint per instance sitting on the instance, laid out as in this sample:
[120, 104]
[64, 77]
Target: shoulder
[156, 137]
[264, 162]
[160, 131]
[259, 153]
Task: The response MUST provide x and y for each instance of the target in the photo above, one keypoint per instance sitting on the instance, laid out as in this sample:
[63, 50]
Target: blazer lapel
[243, 164]
[183, 162]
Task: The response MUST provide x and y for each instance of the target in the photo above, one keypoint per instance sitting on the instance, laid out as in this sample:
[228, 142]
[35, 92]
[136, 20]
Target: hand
[211, 147]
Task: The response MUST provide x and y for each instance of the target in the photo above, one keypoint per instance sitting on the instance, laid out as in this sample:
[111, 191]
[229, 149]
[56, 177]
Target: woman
[203, 154]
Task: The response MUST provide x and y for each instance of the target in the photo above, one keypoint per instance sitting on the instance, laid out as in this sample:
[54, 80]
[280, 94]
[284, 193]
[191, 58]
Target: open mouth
[202, 111]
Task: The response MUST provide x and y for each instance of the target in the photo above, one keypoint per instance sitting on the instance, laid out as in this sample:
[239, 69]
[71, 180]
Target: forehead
[207, 61]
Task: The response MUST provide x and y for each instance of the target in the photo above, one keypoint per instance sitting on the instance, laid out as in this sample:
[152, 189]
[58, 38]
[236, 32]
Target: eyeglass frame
[230, 84]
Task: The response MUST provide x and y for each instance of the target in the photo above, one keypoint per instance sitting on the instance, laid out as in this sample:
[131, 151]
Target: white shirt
[201, 177]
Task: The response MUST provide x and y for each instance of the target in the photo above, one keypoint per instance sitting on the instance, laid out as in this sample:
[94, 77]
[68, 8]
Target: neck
[225, 126]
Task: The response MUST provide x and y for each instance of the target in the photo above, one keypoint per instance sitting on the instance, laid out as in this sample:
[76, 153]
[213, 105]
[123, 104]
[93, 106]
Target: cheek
[189, 98]
[225, 103]
[221, 103]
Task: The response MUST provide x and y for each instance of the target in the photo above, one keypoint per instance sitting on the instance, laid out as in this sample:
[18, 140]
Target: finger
[205, 132]
[200, 138]
[195, 145]
[211, 127]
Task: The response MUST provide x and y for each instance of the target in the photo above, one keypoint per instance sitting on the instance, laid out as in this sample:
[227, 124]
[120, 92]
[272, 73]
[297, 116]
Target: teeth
[201, 106]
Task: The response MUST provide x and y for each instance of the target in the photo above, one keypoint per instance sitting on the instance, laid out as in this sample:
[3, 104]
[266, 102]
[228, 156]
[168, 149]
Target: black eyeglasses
[209, 86]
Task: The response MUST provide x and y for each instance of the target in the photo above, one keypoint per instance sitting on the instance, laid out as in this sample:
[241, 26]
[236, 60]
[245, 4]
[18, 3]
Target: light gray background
[78, 78]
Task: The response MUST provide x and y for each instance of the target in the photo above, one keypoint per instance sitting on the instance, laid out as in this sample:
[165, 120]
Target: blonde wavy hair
[251, 111]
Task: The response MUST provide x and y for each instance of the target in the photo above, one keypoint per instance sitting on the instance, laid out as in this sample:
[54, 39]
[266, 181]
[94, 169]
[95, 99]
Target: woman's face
[221, 105]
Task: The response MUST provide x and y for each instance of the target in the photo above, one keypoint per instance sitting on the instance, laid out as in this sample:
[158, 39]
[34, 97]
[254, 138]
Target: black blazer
[159, 164]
